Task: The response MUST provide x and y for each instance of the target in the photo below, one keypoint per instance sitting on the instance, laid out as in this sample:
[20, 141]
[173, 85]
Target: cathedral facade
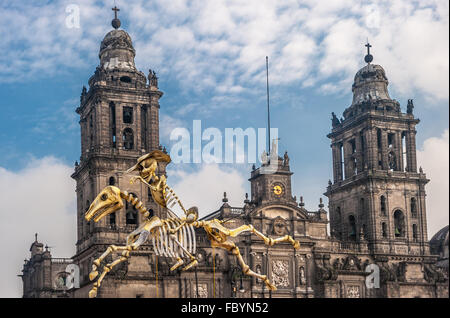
[377, 245]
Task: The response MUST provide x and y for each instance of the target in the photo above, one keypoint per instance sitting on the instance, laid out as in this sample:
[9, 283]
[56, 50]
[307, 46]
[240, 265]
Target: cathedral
[371, 243]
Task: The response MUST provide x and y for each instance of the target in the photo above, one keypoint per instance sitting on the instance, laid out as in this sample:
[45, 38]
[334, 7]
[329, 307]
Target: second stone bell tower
[119, 119]
[377, 195]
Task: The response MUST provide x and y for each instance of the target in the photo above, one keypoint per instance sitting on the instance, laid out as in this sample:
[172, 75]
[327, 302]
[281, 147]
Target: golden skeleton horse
[172, 237]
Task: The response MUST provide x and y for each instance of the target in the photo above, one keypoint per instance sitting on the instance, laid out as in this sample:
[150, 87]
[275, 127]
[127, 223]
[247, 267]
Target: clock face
[278, 189]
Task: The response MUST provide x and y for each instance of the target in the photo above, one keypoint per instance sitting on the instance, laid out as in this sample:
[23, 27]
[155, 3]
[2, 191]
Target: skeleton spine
[134, 201]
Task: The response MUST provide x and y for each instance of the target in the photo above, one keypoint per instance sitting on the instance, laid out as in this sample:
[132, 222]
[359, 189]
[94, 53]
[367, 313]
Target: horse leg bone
[107, 268]
[287, 238]
[96, 263]
[267, 240]
[247, 271]
[193, 259]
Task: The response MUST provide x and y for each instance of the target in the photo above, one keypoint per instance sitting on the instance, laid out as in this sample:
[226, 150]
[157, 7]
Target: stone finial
[301, 204]
[286, 159]
[334, 120]
[246, 201]
[253, 167]
[83, 94]
[330, 183]
[321, 203]
[410, 106]
[152, 78]
[264, 158]
[35, 237]
[420, 169]
[115, 22]
[361, 234]
[368, 58]
[225, 199]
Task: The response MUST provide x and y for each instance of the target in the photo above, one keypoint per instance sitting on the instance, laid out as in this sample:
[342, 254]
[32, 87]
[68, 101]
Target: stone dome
[116, 51]
[439, 243]
[370, 84]
[370, 92]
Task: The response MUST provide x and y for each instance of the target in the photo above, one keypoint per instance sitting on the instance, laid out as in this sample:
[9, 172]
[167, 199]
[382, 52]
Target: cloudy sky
[210, 59]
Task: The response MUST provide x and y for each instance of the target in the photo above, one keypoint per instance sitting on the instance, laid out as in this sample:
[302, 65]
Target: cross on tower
[115, 9]
[368, 46]
[368, 58]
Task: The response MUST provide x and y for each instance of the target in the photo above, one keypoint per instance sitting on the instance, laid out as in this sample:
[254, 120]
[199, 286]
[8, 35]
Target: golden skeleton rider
[172, 237]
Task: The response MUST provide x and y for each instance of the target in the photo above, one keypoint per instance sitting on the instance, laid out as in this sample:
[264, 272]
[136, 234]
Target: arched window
[149, 195]
[399, 224]
[383, 205]
[112, 219]
[363, 149]
[128, 115]
[131, 214]
[87, 224]
[364, 230]
[384, 230]
[112, 110]
[392, 161]
[128, 139]
[354, 165]
[413, 207]
[144, 126]
[404, 153]
[415, 234]
[379, 146]
[362, 206]
[112, 181]
[339, 221]
[342, 160]
[352, 227]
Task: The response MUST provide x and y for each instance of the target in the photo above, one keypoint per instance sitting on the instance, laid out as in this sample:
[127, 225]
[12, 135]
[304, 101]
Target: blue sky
[210, 59]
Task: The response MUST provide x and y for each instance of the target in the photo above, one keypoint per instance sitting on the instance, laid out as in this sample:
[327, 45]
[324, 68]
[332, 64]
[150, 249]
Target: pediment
[273, 211]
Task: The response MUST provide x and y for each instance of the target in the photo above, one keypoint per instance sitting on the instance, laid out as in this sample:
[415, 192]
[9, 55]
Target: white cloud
[220, 46]
[434, 159]
[37, 199]
[166, 125]
[204, 187]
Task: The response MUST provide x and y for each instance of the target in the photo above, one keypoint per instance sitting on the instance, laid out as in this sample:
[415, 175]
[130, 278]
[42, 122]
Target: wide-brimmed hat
[158, 155]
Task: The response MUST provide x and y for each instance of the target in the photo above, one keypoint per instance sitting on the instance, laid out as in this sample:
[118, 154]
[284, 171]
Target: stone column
[359, 154]
[153, 126]
[411, 150]
[372, 148]
[144, 127]
[347, 159]
[384, 150]
[421, 213]
[372, 217]
[337, 169]
[399, 151]
[119, 126]
[137, 128]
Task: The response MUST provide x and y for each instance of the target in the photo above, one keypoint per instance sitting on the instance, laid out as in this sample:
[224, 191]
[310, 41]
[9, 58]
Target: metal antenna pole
[268, 104]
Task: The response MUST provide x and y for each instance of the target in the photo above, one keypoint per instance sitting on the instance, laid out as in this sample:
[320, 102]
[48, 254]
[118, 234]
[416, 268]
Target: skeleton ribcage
[165, 246]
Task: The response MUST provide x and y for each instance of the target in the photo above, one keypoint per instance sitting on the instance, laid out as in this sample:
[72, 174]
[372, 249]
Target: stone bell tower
[272, 181]
[119, 119]
[377, 194]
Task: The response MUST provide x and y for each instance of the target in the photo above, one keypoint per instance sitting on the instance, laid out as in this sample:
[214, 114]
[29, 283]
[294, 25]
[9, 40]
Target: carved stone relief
[202, 291]
[353, 292]
[280, 273]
